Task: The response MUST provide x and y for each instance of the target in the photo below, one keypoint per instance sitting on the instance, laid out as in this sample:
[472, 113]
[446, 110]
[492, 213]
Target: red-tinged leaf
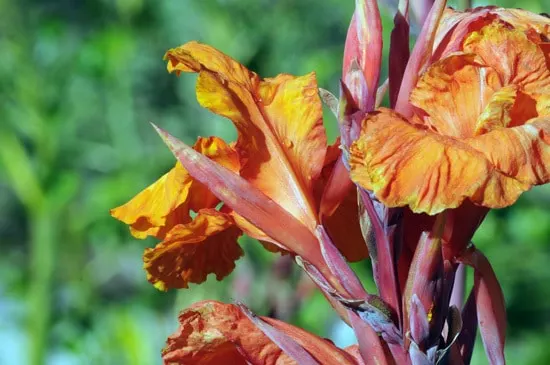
[370, 346]
[286, 343]
[490, 307]
[420, 57]
[399, 50]
[339, 267]
[246, 200]
[467, 337]
[364, 44]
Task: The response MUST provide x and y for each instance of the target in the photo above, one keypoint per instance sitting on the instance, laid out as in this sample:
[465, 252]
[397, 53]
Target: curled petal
[516, 59]
[405, 165]
[449, 85]
[281, 141]
[521, 152]
[191, 251]
[165, 203]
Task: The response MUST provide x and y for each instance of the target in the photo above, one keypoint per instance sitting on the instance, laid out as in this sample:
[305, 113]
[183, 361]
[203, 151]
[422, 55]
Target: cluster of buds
[467, 130]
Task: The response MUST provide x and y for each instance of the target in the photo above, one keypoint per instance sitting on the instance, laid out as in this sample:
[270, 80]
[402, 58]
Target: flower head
[480, 128]
[281, 152]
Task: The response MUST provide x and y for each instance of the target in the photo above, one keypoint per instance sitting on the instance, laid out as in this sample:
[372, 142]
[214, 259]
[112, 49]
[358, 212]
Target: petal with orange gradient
[521, 152]
[453, 92]
[214, 333]
[406, 165]
[167, 202]
[207, 244]
[281, 142]
[515, 58]
[155, 210]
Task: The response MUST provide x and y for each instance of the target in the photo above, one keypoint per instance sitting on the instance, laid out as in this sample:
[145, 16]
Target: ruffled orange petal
[215, 333]
[281, 141]
[521, 152]
[516, 59]
[453, 92]
[167, 202]
[191, 251]
[405, 165]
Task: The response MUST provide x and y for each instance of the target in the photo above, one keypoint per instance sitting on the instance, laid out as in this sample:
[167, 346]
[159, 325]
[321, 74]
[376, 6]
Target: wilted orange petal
[447, 87]
[405, 165]
[521, 152]
[281, 141]
[516, 59]
[191, 251]
[165, 203]
[215, 333]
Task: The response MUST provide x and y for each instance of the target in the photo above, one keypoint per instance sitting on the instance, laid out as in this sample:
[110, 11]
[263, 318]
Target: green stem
[42, 265]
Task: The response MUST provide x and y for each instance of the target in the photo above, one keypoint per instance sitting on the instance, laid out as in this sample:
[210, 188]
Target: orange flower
[281, 151]
[480, 129]
[215, 333]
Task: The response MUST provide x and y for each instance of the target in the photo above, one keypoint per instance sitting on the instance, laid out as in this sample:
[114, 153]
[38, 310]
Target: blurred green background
[79, 82]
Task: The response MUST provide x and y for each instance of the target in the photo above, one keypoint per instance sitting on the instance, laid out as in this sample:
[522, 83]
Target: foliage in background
[78, 82]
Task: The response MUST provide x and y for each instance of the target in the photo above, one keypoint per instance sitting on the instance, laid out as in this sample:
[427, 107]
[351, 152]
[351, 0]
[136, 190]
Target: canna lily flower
[480, 130]
[281, 151]
[215, 333]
